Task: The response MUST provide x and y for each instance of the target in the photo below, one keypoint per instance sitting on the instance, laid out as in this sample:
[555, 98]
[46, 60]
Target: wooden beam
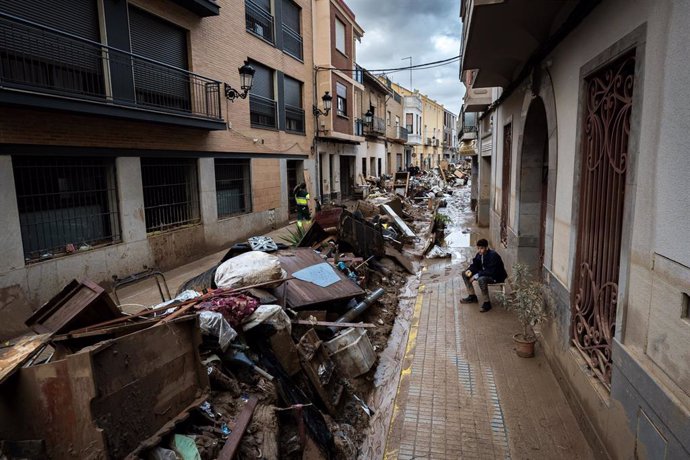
[233, 442]
[398, 221]
[305, 322]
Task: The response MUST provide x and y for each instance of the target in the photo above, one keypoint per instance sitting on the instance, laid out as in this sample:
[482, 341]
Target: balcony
[401, 133]
[477, 99]
[259, 21]
[262, 112]
[414, 139]
[46, 68]
[203, 8]
[469, 133]
[294, 119]
[525, 26]
[292, 43]
[413, 103]
[359, 127]
[377, 128]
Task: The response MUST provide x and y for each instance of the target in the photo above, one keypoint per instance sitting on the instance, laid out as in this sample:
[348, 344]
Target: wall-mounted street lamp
[369, 117]
[327, 99]
[246, 80]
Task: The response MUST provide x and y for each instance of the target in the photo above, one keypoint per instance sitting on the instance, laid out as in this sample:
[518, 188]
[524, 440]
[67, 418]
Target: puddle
[457, 239]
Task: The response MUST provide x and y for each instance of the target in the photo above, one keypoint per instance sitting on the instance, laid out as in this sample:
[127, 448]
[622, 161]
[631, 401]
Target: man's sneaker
[486, 306]
[469, 299]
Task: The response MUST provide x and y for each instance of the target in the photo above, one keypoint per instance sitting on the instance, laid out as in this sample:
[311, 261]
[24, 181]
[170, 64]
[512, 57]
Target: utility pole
[410, 58]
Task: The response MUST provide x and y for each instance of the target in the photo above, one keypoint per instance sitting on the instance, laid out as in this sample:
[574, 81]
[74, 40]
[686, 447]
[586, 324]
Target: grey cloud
[394, 29]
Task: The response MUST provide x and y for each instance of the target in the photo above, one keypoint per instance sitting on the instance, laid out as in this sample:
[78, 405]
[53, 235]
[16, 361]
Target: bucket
[352, 352]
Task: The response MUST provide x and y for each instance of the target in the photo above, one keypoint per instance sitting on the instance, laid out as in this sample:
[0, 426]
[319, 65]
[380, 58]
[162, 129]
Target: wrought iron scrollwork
[605, 160]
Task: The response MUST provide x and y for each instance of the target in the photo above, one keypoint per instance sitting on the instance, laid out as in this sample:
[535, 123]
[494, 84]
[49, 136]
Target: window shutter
[157, 39]
[291, 14]
[263, 81]
[76, 17]
[293, 92]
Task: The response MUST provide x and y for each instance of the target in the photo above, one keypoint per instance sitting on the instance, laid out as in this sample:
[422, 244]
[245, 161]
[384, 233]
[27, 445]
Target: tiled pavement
[465, 394]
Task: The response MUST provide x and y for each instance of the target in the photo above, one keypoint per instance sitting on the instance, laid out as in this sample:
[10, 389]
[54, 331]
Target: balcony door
[163, 42]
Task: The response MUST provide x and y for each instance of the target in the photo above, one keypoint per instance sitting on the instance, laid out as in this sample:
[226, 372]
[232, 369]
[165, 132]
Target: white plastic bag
[213, 323]
[268, 314]
[248, 269]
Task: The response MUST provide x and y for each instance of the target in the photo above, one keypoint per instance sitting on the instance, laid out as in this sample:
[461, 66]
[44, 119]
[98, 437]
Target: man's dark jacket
[492, 266]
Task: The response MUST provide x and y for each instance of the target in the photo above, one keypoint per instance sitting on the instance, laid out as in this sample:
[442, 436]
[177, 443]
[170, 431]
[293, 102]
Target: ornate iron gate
[605, 162]
[505, 195]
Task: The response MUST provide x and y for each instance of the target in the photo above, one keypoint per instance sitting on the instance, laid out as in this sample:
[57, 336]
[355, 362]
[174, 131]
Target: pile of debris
[269, 354]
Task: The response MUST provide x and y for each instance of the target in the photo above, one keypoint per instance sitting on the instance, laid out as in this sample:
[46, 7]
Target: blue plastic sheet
[320, 274]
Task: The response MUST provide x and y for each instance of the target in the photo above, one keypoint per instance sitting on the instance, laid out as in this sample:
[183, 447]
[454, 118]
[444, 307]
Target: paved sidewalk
[466, 394]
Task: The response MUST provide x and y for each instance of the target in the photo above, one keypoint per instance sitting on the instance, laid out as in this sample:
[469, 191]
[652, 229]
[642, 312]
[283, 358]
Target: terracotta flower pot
[524, 347]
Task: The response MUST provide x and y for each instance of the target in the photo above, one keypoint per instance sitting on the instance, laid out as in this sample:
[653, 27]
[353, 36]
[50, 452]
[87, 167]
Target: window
[262, 105]
[294, 114]
[409, 122]
[397, 120]
[258, 18]
[171, 192]
[292, 38]
[65, 204]
[388, 118]
[340, 36]
[233, 187]
[341, 93]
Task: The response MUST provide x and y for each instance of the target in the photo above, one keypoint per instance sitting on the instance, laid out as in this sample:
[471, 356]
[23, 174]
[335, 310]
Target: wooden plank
[19, 352]
[305, 322]
[233, 441]
[398, 221]
[400, 258]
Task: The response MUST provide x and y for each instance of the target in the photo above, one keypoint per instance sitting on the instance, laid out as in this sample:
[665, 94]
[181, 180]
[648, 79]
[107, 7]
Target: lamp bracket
[232, 94]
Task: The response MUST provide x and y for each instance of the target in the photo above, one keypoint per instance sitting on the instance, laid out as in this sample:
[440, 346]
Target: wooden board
[18, 352]
[303, 293]
[233, 442]
[400, 258]
[398, 221]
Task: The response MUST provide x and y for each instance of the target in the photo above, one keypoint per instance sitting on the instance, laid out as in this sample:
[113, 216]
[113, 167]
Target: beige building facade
[147, 156]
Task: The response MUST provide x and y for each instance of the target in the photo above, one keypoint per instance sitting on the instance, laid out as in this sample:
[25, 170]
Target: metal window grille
[259, 20]
[171, 193]
[262, 112]
[233, 187]
[65, 204]
[294, 119]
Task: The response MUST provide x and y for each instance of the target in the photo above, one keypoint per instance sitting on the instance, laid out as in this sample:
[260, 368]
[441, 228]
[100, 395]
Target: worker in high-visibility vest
[302, 201]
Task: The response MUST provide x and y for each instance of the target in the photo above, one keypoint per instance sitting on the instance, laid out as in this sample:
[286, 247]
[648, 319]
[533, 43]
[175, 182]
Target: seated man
[487, 268]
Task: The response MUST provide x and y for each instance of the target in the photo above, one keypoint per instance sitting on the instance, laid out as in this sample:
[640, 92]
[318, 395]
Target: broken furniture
[320, 370]
[79, 304]
[102, 401]
[148, 273]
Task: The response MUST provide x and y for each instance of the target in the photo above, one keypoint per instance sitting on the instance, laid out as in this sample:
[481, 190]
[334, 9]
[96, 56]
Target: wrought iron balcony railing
[469, 129]
[38, 59]
[262, 112]
[292, 43]
[259, 21]
[294, 119]
[359, 127]
[378, 127]
[401, 133]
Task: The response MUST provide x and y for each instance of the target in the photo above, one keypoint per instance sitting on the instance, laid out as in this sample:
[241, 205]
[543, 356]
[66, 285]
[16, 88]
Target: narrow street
[463, 392]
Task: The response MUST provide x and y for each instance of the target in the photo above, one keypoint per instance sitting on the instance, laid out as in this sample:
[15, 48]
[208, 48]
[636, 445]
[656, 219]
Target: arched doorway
[534, 174]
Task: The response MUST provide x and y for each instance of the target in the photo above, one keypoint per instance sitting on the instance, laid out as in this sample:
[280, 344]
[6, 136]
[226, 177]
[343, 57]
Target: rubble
[269, 354]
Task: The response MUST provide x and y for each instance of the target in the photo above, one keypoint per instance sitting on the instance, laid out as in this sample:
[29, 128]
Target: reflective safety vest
[302, 200]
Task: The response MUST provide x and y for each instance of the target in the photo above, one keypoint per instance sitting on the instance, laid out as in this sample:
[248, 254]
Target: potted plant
[529, 300]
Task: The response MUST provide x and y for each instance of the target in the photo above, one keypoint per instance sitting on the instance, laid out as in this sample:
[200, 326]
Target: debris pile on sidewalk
[269, 354]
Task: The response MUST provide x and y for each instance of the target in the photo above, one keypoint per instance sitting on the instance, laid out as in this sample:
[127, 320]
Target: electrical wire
[423, 66]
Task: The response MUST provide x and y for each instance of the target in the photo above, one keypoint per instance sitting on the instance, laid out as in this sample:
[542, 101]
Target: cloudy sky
[427, 30]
